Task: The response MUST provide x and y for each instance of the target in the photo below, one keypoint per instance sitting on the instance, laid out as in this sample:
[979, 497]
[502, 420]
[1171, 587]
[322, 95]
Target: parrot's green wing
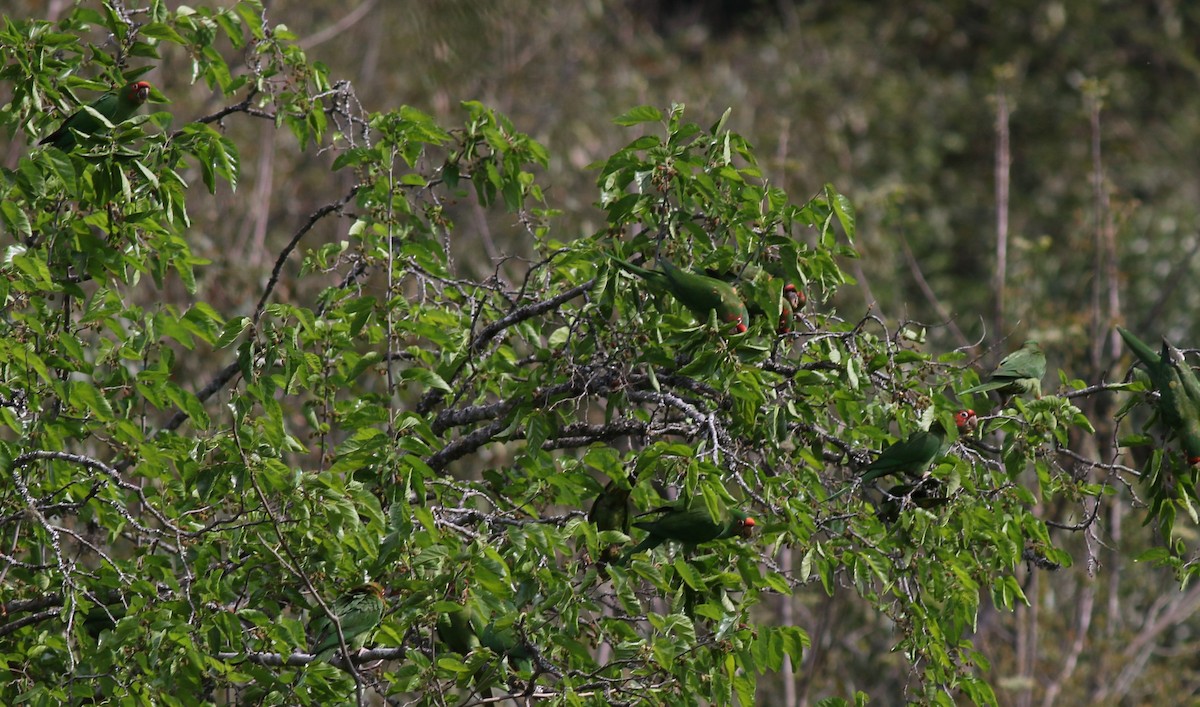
[699, 293]
[358, 612]
[703, 294]
[910, 456]
[457, 630]
[503, 642]
[1019, 372]
[691, 526]
[1153, 362]
[913, 455]
[102, 618]
[760, 289]
[1029, 361]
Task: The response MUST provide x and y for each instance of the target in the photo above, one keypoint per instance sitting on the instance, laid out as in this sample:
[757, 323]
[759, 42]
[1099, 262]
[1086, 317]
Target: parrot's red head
[795, 297]
[1193, 460]
[138, 92]
[746, 527]
[793, 300]
[966, 420]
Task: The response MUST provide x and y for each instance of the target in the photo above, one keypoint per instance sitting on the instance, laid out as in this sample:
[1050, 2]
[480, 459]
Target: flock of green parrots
[358, 612]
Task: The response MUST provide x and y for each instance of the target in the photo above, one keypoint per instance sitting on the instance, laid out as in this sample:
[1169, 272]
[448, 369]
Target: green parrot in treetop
[699, 293]
[503, 642]
[116, 107]
[1019, 372]
[358, 613]
[101, 618]
[1178, 403]
[690, 526]
[792, 298]
[913, 455]
[611, 511]
[458, 630]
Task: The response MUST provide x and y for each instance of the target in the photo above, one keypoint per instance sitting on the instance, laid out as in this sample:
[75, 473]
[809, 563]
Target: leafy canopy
[192, 482]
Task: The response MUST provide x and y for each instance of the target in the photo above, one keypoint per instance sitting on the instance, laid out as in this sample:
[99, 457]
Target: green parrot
[503, 642]
[794, 300]
[1178, 403]
[101, 618]
[1019, 372]
[116, 107]
[913, 455]
[358, 613]
[1187, 376]
[457, 629]
[751, 277]
[699, 293]
[611, 511]
[690, 526]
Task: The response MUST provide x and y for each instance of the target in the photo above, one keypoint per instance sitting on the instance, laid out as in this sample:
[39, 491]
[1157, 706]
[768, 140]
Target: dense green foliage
[191, 481]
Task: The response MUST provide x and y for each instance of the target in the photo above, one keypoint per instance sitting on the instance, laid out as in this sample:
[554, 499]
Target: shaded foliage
[195, 479]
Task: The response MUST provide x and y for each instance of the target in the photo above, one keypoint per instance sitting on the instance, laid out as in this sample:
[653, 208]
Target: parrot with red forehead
[116, 107]
[690, 526]
[751, 280]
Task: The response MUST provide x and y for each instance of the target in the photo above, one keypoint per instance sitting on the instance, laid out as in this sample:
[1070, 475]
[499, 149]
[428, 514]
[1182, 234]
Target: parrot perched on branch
[913, 455]
[751, 277]
[1178, 403]
[358, 613]
[457, 629]
[699, 293]
[611, 511]
[116, 107]
[1019, 372]
[690, 526]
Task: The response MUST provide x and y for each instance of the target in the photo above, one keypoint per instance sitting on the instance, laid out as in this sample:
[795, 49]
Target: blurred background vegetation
[902, 107]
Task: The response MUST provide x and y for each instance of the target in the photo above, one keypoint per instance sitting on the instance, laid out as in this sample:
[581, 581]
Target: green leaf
[426, 377]
[15, 221]
[641, 114]
[159, 30]
[232, 332]
[843, 209]
[688, 574]
[84, 396]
